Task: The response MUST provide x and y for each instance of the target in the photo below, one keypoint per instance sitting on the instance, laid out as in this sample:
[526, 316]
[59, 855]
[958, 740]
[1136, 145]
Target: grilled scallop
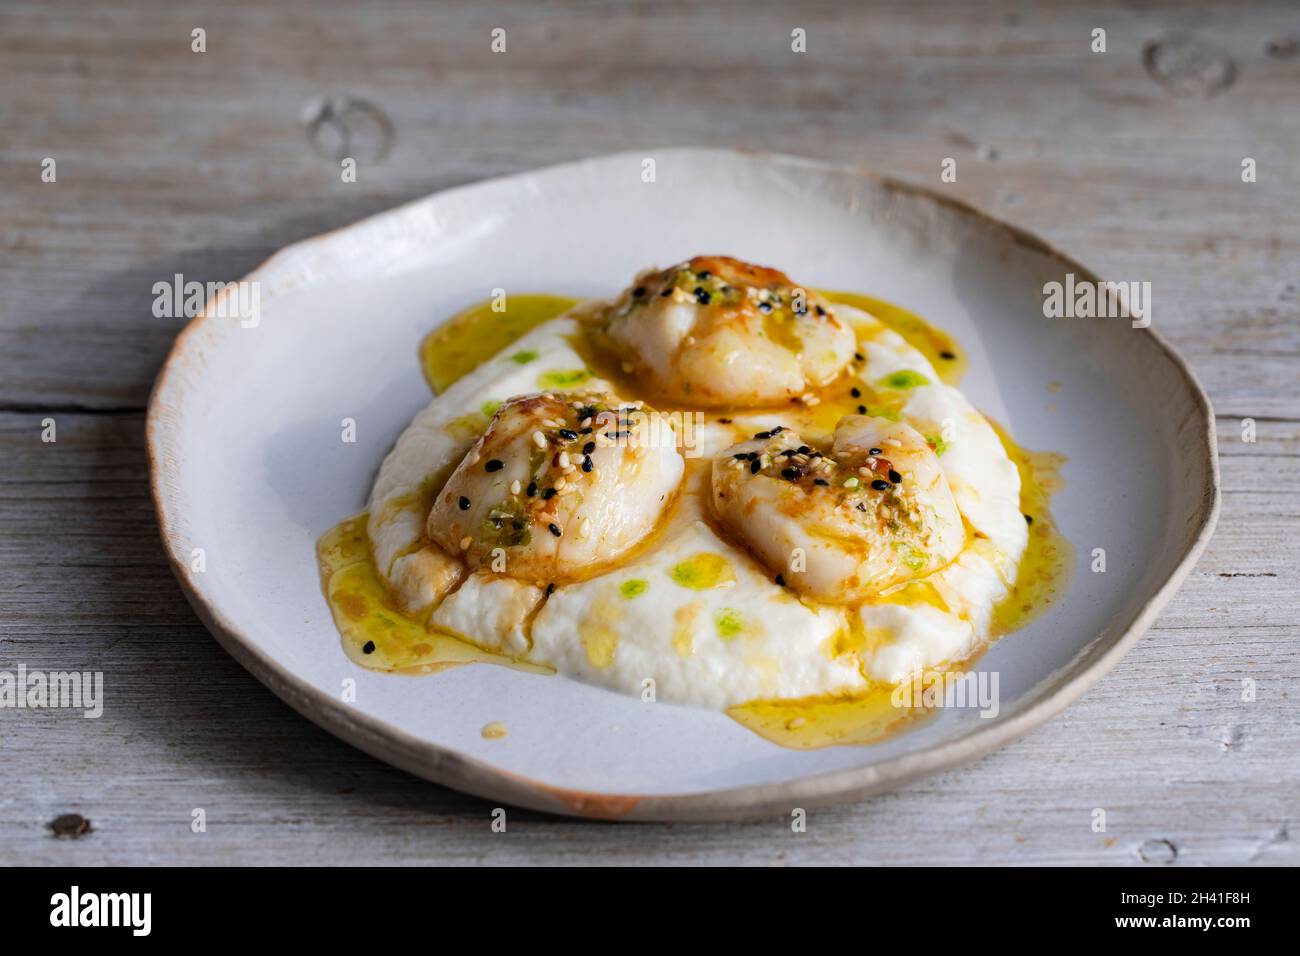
[840, 527]
[558, 486]
[717, 332]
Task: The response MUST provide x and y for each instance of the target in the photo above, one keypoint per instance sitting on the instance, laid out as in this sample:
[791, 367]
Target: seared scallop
[840, 527]
[558, 486]
[717, 332]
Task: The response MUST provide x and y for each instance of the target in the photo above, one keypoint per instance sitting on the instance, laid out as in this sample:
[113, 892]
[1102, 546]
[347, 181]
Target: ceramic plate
[248, 464]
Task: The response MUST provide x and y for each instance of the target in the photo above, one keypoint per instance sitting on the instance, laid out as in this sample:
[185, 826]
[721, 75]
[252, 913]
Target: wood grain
[171, 161]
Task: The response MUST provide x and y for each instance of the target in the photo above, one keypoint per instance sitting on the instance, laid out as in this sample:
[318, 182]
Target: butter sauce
[378, 634]
[942, 350]
[472, 336]
[1048, 559]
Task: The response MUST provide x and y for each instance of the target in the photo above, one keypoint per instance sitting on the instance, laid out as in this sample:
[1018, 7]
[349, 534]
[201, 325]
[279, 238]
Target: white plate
[248, 464]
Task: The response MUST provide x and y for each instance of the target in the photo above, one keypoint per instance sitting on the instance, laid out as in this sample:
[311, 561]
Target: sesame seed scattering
[558, 508]
[541, 473]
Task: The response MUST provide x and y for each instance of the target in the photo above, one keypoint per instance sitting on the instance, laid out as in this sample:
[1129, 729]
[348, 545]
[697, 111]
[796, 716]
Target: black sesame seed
[947, 355]
[862, 506]
[585, 431]
[821, 481]
[706, 274]
[804, 449]
[369, 648]
[532, 488]
[895, 477]
[494, 464]
[588, 412]
[881, 485]
[820, 310]
[789, 453]
[586, 463]
[724, 421]
[548, 494]
[702, 296]
[855, 392]
[791, 474]
[780, 579]
[763, 435]
[752, 455]
[874, 451]
[862, 409]
[740, 456]
[1029, 519]
[554, 529]
[464, 503]
[667, 292]
[755, 467]
[778, 429]
[568, 435]
[764, 307]
[588, 448]
[859, 356]
[638, 291]
[518, 524]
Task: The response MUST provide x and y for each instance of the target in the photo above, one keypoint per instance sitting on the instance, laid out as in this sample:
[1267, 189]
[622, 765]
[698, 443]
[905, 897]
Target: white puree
[731, 635]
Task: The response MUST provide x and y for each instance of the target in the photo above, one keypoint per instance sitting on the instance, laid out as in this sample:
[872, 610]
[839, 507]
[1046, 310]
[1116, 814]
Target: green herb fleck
[730, 623]
[563, 379]
[507, 525]
[633, 588]
[903, 379]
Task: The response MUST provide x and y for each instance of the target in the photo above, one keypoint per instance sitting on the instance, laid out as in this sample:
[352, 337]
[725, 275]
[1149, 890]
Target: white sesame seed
[539, 439]
[515, 487]
[564, 459]
[584, 529]
[560, 484]
[465, 542]
[585, 423]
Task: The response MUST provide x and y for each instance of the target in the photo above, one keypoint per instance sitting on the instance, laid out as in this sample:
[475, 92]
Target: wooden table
[171, 161]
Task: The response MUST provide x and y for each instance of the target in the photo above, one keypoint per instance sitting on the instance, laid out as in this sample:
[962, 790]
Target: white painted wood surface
[170, 161]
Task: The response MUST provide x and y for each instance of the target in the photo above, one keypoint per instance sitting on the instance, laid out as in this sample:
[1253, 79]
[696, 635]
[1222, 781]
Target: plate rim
[449, 767]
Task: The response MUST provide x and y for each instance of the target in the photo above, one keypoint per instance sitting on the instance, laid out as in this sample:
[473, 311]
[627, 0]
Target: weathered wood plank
[217, 172]
[83, 584]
